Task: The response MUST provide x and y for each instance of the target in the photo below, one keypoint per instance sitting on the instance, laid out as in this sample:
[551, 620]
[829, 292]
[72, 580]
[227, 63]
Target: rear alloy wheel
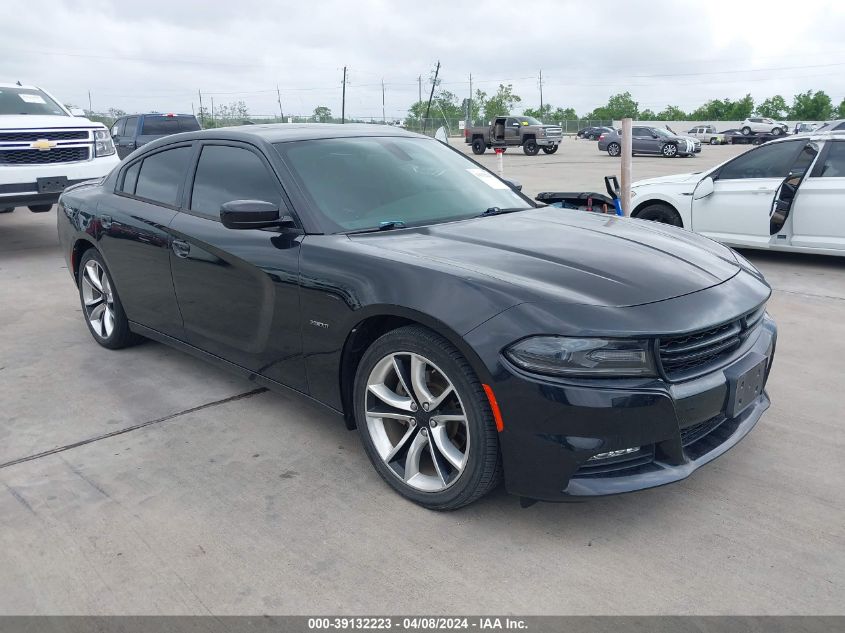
[478, 146]
[425, 421]
[550, 149]
[661, 213]
[670, 150]
[746, 131]
[777, 131]
[530, 147]
[614, 149]
[40, 208]
[103, 311]
[714, 141]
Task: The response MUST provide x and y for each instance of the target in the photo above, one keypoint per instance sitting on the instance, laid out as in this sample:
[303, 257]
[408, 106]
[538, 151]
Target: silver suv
[763, 125]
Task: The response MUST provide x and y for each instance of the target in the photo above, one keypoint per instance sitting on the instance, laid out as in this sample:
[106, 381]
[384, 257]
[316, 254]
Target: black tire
[530, 147]
[478, 146]
[550, 149]
[670, 150]
[482, 472]
[714, 141]
[746, 131]
[120, 336]
[40, 208]
[661, 213]
[777, 131]
[6, 209]
[614, 149]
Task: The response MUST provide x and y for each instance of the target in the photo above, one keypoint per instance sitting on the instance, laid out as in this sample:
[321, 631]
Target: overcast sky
[156, 54]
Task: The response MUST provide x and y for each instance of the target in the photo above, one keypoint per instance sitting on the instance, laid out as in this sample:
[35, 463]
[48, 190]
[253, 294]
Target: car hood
[567, 256]
[669, 180]
[32, 121]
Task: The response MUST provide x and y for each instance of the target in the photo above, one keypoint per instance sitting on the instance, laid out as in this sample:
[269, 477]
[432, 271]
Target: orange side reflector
[497, 415]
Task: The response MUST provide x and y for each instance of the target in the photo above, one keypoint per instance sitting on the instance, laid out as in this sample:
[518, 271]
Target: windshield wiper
[383, 226]
[501, 211]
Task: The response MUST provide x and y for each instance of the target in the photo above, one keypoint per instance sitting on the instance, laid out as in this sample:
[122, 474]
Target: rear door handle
[181, 248]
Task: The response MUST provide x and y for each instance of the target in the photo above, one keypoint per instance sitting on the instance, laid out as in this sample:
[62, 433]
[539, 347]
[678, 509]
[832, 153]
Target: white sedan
[786, 195]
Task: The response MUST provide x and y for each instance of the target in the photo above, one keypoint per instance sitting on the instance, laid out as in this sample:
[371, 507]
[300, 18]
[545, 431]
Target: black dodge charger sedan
[467, 333]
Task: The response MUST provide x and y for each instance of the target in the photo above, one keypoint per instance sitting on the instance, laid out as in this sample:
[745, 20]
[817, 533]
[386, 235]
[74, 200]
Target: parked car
[467, 333]
[593, 133]
[735, 136]
[832, 126]
[786, 195]
[44, 147]
[514, 131]
[133, 131]
[803, 128]
[755, 125]
[707, 134]
[648, 140]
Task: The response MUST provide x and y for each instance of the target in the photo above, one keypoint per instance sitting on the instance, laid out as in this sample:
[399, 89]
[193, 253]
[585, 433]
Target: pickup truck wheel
[670, 150]
[714, 141]
[40, 208]
[478, 146]
[550, 149]
[530, 147]
[661, 213]
[614, 149]
[6, 209]
[746, 131]
[101, 305]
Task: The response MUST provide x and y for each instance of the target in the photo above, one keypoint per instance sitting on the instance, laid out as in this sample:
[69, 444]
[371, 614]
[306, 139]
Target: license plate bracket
[55, 184]
[746, 380]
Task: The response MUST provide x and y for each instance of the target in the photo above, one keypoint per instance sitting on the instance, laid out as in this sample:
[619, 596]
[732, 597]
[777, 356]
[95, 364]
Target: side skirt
[272, 385]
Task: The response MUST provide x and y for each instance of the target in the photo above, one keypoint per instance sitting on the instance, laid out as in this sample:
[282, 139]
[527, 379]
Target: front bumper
[553, 428]
[19, 183]
[548, 141]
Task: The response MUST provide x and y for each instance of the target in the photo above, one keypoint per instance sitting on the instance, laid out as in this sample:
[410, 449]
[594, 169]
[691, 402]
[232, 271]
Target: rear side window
[118, 128]
[161, 174]
[130, 178]
[226, 173]
[163, 125]
[767, 161]
[131, 125]
[833, 165]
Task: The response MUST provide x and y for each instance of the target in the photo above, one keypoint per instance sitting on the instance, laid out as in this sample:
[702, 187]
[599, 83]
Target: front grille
[553, 132]
[39, 157]
[50, 135]
[691, 354]
[692, 434]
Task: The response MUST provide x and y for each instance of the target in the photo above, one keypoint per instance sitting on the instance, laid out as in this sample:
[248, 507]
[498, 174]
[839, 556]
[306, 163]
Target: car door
[642, 140]
[135, 240]
[818, 211]
[238, 290]
[512, 131]
[125, 144]
[738, 211]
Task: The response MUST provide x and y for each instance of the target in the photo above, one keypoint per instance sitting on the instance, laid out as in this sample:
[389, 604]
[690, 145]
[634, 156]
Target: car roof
[5, 85]
[286, 132]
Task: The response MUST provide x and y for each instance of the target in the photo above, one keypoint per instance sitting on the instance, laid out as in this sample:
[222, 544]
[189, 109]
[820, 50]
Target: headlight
[564, 356]
[103, 145]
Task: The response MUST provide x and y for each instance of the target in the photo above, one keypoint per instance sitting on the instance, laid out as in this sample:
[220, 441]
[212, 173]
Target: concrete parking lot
[146, 482]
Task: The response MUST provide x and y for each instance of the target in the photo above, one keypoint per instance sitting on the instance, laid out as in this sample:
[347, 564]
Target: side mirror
[249, 214]
[513, 184]
[703, 189]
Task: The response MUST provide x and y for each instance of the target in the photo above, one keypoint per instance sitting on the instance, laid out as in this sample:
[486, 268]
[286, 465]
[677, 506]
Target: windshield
[362, 183]
[28, 101]
[529, 120]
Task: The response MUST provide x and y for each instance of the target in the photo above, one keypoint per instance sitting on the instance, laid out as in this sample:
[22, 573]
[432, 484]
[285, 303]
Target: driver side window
[767, 161]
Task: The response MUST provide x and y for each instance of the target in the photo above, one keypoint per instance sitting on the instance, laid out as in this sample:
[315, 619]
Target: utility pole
[279, 96]
[383, 118]
[625, 172]
[202, 112]
[343, 102]
[541, 92]
[469, 114]
[419, 81]
[90, 107]
[431, 95]
[212, 112]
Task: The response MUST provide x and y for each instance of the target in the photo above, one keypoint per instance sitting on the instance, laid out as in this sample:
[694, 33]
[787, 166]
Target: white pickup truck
[44, 147]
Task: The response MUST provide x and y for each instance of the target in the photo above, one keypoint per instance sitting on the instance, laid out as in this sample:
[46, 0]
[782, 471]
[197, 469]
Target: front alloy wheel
[424, 419]
[670, 150]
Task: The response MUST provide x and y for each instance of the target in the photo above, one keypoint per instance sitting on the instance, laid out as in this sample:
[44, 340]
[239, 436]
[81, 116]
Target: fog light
[609, 454]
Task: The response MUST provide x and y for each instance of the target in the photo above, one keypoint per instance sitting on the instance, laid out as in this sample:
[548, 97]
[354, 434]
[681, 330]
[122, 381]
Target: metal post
[383, 118]
[343, 102]
[202, 112]
[90, 107]
[419, 82]
[431, 96]
[541, 94]
[469, 114]
[279, 96]
[627, 151]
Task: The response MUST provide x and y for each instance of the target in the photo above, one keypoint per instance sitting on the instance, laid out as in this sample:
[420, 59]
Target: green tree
[840, 112]
[724, 110]
[501, 103]
[811, 106]
[773, 107]
[551, 114]
[741, 109]
[648, 115]
[671, 113]
[564, 114]
[322, 113]
[619, 106]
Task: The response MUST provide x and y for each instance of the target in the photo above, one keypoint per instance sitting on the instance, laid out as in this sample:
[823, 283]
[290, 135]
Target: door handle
[181, 248]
